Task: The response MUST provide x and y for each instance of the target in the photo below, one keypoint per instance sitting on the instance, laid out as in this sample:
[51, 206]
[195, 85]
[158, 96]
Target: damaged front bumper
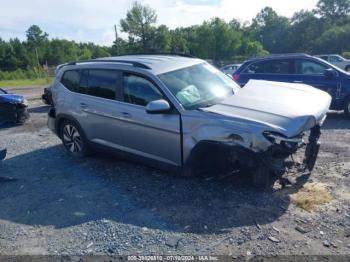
[14, 112]
[294, 155]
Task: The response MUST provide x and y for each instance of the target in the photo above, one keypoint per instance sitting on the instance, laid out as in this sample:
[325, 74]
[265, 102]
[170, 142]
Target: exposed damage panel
[13, 108]
[269, 125]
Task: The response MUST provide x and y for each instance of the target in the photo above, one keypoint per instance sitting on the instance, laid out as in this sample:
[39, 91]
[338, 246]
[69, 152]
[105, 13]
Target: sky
[94, 20]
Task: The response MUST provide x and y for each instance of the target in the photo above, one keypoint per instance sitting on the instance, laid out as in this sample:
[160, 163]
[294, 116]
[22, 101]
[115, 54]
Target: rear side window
[270, 67]
[70, 80]
[335, 59]
[138, 90]
[102, 83]
[94, 82]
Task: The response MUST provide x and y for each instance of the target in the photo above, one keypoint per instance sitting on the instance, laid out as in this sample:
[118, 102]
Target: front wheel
[73, 139]
[347, 106]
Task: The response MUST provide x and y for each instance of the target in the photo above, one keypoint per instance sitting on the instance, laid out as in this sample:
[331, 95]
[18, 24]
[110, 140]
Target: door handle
[83, 105]
[126, 115]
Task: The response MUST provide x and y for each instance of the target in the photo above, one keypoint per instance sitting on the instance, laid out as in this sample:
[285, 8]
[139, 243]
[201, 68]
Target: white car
[336, 60]
[230, 69]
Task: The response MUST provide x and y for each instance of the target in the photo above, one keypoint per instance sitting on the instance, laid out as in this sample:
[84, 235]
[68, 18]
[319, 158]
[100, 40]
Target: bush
[346, 55]
[20, 74]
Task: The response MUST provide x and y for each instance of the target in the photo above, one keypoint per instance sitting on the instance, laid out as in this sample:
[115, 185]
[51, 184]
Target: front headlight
[279, 139]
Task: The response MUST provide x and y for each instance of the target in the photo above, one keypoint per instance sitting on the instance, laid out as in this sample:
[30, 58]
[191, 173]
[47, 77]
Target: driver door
[155, 136]
[311, 73]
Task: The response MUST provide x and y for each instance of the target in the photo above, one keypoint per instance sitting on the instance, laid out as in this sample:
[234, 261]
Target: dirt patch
[311, 196]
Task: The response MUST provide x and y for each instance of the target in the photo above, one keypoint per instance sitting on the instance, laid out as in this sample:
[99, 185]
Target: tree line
[325, 29]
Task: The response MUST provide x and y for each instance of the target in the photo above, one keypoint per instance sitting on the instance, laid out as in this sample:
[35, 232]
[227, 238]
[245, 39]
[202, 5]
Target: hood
[283, 107]
[9, 98]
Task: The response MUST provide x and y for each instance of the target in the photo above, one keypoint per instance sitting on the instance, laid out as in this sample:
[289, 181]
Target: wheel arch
[216, 154]
[63, 117]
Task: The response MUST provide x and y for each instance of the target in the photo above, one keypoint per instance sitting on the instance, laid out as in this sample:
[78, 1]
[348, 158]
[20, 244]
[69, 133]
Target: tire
[347, 106]
[73, 139]
[262, 178]
[347, 68]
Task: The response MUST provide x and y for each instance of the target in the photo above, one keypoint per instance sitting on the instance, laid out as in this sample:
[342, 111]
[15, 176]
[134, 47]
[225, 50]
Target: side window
[256, 68]
[307, 67]
[102, 83]
[324, 58]
[335, 59]
[70, 80]
[270, 67]
[138, 90]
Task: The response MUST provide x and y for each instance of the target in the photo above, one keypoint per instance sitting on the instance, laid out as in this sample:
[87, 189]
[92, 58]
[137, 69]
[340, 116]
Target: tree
[139, 24]
[37, 42]
[179, 42]
[269, 28]
[36, 35]
[334, 40]
[162, 39]
[333, 9]
[305, 28]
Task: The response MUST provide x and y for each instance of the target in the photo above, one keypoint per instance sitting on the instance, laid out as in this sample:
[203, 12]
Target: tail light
[235, 77]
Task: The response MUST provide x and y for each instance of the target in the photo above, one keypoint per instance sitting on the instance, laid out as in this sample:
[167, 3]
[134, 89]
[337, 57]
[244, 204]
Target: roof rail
[134, 63]
[163, 53]
[287, 54]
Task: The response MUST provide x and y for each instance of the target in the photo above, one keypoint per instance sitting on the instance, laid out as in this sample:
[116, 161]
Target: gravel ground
[105, 205]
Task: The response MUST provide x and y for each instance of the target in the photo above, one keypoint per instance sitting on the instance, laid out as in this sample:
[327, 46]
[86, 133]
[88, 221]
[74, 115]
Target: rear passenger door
[272, 70]
[95, 106]
[155, 136]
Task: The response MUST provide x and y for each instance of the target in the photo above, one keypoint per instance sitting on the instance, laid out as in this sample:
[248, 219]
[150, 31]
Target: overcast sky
[93, 20]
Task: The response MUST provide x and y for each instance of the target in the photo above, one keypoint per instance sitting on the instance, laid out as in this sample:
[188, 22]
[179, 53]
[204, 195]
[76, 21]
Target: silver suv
[182, 112]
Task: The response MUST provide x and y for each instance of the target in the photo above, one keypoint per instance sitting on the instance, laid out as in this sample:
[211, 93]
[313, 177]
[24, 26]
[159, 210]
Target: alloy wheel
[72, 139]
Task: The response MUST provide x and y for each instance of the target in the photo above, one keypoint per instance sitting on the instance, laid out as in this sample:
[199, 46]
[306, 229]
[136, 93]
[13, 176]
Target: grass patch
[25, 82]
[310, 196]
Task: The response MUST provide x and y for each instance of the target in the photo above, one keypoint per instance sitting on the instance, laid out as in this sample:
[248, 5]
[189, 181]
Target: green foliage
[333, 9]
[346, 55]
[139, 24]
[323, 30]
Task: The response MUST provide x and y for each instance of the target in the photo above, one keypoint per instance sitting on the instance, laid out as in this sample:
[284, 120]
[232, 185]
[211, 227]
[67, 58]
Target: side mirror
[158, 107]
[330, 73]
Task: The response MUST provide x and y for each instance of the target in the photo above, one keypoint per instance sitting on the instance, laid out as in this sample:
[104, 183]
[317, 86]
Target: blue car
[13, 108]
[300, 68]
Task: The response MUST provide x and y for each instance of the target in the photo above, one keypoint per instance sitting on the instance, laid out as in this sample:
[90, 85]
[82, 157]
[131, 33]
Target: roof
[157, 64]
[274, 56]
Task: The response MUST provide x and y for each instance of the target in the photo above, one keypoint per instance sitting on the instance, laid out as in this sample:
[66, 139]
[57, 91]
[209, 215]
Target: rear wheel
[73, 139]
[347, 68]
[347, 106]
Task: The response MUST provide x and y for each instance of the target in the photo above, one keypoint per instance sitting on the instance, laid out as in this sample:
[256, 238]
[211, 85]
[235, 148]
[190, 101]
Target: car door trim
[133, 151]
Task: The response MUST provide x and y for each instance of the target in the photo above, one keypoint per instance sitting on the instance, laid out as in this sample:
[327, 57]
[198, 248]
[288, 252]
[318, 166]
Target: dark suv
[300, 68]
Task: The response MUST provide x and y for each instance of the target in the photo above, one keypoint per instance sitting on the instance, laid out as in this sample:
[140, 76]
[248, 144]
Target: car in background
[336, 60]
[230, 69]
[181, 112]
[303, 69]
[13, 108]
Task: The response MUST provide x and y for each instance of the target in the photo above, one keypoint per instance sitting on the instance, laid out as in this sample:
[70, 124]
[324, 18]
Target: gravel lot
[105, 205]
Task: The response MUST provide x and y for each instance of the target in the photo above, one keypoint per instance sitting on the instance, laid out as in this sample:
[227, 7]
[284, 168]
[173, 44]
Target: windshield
[199, 86]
